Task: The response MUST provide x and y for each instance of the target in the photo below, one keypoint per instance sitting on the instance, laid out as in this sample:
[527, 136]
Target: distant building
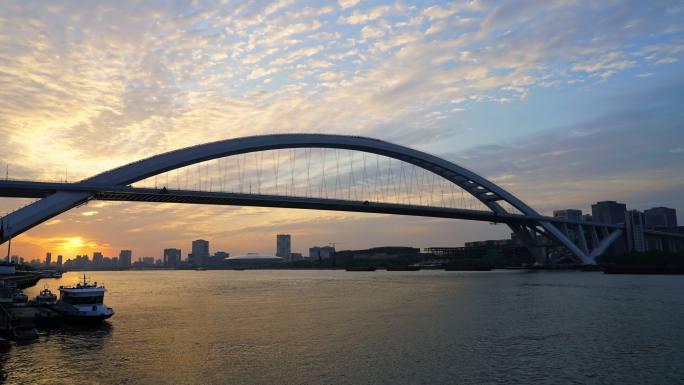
[148, 261]
[634, 225]
[570, 214]
[172, 257]
[253, 261]
[200, 253]
[48, 259]
[98, 259]
[321, 253]
[284, 246]
[221, 255]
[587, 218]
[378, 253]
[59, 261]
[608, 212]
[125, 257]
[661, 218]
[296, 257]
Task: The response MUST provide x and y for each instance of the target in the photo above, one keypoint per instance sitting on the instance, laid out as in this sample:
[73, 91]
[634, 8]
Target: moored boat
[45, 298]
[360, 268]
[19, 299]
[83, 302]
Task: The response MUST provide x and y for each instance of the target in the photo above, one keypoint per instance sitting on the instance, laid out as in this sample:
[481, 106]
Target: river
[337, 327]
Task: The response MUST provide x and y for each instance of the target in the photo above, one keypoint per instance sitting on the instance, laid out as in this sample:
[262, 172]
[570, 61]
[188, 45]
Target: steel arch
[482, 189]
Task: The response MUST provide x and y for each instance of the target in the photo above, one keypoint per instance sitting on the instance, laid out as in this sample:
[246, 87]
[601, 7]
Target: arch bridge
[581, 242]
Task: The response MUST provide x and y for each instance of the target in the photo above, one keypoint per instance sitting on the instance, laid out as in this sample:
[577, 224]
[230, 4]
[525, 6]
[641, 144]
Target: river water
[337, 327]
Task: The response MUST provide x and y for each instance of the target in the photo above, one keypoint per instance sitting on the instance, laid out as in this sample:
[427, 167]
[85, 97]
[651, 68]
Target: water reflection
[330, 327]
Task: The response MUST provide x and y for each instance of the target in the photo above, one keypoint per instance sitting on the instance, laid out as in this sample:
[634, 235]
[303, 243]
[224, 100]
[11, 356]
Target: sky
[561, 102]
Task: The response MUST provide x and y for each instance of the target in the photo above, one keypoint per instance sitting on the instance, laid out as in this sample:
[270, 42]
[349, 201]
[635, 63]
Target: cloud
[78, 96]
[360, 17]
[347, 3]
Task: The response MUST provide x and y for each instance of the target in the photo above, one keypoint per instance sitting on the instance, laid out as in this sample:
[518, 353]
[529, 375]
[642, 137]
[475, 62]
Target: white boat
[83, 302]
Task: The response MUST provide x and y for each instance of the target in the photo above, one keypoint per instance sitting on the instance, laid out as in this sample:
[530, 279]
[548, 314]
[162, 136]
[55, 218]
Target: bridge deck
[29, 189]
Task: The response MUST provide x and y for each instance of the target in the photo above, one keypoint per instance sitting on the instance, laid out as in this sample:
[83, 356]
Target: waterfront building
[221, 254]
[200, 253]
[382, 253]
[59, 261]
[48, 259]
[125, 257]
[98, 259]
[660, 218]
[570, 214]
[253, 261]
[587, 218]
[172, 257]
[284, 246]
[321, 253]
[634, 227]
[296, 257]
[148, 261]
[609, 212]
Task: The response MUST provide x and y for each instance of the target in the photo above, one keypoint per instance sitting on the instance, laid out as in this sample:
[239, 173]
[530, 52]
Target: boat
[83, 302]
[7, 268]
[19, 299]
[57, 274]
[45, 298]
[467, 268]
[360, 268]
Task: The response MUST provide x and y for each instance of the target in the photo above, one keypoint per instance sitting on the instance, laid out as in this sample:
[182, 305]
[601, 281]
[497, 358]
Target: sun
[74, 242]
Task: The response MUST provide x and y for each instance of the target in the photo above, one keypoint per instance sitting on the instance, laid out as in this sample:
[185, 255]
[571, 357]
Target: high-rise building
[634, 226]
[97, 258]
[609, 212]
[125, 257]
[570, 214]
[48, 259]
[661, 218]
[200, 253]
[172, 257]
[284, 246]
[59, 261]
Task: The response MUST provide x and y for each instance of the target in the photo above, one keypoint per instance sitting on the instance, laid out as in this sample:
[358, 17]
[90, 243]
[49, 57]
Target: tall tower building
[284, 246]
[48, 259]
[59, 261]
[200, 252]
[125, 257]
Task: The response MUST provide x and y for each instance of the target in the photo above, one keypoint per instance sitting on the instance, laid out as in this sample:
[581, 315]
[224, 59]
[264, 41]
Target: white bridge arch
[482, 189]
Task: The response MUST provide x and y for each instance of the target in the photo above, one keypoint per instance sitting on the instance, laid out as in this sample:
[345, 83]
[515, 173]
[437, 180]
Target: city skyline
[557, 121]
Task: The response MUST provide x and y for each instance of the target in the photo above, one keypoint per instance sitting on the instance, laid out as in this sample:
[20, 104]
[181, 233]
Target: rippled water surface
[337, 327]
